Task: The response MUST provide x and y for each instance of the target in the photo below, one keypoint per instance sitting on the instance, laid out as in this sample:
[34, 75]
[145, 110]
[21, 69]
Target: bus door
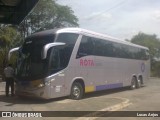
[56, 69]
[57, 85]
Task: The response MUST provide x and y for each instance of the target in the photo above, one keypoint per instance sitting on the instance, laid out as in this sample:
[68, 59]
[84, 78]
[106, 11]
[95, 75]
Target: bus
[75, 61]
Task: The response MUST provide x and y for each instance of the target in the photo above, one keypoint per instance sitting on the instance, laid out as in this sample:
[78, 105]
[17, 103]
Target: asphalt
[143, 99]
[92, 102]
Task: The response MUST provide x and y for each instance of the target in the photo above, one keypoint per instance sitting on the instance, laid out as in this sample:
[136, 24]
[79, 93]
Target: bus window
[55, 60]
[86, 47]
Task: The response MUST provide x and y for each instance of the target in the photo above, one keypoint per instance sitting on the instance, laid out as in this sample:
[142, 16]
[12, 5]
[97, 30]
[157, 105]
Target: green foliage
[48, 15]
[150, 41]
[153, 43]
[9, 37]
[155, 69]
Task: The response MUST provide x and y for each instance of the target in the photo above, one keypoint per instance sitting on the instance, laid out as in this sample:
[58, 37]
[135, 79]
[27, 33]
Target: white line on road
[65, 101]
[115, 107]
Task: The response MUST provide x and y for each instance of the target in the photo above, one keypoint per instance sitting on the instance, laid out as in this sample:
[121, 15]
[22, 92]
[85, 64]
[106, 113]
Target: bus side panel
[85, 68]
[111, 79]
[135, 68]
[56, 84]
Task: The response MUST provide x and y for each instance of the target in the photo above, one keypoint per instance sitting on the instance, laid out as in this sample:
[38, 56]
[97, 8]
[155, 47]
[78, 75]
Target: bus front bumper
[33, 93]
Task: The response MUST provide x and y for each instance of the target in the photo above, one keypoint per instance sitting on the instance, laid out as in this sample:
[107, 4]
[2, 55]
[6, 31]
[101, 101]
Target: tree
[150, 41]
[48, 15]
[153, 43]
[9, 37]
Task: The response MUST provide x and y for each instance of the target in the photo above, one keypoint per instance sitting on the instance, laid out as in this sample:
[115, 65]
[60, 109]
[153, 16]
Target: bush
[155, 72]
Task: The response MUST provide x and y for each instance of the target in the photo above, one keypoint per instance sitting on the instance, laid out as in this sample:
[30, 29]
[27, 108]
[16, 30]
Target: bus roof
[98, 35]
[84, 32]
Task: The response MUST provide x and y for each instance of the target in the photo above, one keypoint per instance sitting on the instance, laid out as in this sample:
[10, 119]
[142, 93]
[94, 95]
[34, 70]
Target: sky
[118, 18]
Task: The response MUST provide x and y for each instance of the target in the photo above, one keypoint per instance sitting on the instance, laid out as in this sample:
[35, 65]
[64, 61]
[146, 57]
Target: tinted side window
[99, 48]
[144, 54]
[86, 47]
[55, 60]
[70, 40]
[104, 48]
[147, 54]
[117, 50]
[124, 51]
[60, 55]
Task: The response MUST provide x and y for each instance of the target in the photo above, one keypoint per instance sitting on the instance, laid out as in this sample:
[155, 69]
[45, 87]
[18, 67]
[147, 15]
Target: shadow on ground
[29, 100]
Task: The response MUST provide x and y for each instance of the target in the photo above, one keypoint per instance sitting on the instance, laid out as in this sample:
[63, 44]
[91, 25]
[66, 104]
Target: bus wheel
[133, 83]
[76, 91]
[138, 83]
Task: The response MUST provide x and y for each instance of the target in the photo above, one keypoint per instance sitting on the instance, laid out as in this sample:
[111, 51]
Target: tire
[77, 91]
[133, 83]
[138, 83]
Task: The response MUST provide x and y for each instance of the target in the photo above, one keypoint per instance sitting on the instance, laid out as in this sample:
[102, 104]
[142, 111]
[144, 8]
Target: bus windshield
[30, 65]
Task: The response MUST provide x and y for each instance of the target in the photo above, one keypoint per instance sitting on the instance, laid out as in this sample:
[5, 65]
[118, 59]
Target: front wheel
[77, 91]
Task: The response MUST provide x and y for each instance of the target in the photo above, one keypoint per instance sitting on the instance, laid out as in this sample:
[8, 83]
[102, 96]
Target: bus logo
[85, 62]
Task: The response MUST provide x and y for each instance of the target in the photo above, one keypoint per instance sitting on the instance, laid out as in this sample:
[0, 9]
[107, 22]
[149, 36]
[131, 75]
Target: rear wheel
[138, 83]
[77, 91]
[133, 83]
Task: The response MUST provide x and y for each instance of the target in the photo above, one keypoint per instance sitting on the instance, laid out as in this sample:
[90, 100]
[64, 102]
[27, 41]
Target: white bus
[74, 61]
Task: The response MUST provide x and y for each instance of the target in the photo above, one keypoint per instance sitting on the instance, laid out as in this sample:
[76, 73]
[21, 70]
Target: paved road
[143, 99]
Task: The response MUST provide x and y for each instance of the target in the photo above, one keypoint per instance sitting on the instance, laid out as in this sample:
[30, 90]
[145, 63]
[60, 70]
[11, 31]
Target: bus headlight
[41, 85]
[37, 83]
[47, 82]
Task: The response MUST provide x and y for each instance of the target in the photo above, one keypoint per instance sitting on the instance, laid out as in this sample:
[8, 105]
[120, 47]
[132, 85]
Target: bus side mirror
[48, 46]
[11, 51]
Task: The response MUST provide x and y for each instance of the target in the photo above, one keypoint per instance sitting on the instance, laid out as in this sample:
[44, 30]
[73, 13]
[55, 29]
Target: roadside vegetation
[153, 43]
[46, 15]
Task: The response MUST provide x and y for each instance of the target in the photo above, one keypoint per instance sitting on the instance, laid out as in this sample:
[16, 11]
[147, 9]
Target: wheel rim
[76, 91]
